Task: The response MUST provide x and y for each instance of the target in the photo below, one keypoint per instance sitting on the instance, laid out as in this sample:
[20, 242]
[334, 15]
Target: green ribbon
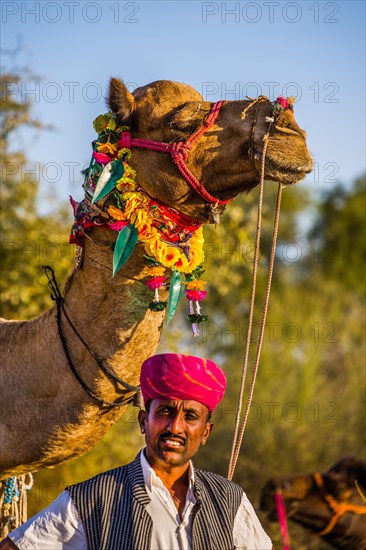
[111, 173]
[174, 293]
[125, 244]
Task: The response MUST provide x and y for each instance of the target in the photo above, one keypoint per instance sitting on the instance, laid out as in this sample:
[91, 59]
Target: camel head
[226, 159]
[313, 501]
[166, 161]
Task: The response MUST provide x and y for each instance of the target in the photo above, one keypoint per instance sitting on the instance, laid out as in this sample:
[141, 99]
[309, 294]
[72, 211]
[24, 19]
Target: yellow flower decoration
[135, 208]
[139, 218]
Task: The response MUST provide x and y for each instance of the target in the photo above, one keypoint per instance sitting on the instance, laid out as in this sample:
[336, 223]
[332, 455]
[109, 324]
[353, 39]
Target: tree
[28, 239]
[341, 232]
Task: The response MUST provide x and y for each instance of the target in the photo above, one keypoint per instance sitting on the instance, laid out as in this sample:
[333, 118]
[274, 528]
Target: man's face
[174, 430]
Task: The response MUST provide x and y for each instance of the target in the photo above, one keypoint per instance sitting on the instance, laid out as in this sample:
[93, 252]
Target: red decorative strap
[179, 152]
[281, 513]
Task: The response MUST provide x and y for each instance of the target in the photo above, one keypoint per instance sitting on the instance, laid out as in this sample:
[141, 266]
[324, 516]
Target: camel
[47, 416]
[330, 505]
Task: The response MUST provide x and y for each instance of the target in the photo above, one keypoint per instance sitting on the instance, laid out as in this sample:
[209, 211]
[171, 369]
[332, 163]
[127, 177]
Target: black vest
[112, 505]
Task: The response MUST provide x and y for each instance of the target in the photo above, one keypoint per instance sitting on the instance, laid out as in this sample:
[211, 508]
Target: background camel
[47, 416]
[313, 500]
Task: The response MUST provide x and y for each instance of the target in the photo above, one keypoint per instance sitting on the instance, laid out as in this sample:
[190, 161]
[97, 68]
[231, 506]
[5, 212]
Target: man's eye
[190, 416]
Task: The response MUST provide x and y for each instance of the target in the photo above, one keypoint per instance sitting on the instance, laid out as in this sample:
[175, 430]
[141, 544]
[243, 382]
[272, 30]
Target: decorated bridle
[179, 152]
[171, 239]
[336, 507]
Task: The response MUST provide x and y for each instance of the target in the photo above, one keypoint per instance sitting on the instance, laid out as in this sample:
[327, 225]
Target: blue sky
[314, 50]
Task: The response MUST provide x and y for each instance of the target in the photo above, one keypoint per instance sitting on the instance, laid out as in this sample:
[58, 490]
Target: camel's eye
[186, 118]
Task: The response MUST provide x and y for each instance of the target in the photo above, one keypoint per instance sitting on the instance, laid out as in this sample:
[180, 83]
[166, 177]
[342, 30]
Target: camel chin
[289, 177]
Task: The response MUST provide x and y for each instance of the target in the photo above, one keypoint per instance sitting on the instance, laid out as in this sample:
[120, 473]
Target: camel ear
[120, 101]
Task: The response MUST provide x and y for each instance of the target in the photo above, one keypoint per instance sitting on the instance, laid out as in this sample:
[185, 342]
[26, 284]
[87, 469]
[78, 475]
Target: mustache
[174, 437]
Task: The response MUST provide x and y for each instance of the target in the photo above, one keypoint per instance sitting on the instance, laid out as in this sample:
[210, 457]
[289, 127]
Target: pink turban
[184, 377]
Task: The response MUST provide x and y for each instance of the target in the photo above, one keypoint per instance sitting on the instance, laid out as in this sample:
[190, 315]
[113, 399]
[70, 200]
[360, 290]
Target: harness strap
[339, 508]
[179, 152]
[57, 297]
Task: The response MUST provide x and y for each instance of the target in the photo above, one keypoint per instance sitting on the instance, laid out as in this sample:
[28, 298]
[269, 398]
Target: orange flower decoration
[116, 213]
[196, 285]
[107, 148]
[154, 271]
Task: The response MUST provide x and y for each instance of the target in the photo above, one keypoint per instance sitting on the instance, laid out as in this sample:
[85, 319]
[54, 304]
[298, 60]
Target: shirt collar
[151, 478]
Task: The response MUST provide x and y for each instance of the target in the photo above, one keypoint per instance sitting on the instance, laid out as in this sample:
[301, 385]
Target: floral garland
[171, 240]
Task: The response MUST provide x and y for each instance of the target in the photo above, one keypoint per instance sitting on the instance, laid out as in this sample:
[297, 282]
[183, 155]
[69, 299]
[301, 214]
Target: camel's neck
[111, 313]
[93, 295]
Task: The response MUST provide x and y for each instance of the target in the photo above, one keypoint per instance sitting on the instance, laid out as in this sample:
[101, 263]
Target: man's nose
[176, 423]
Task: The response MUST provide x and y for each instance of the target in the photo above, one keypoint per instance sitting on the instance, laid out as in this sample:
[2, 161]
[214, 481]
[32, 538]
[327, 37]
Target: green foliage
[28, 240]
[308, 400]
[341, 230]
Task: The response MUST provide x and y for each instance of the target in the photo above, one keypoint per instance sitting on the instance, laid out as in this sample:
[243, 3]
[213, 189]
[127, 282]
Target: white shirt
[58, 527]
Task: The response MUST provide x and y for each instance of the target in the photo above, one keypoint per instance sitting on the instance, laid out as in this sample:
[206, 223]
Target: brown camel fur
[47, 417]
[305, 503]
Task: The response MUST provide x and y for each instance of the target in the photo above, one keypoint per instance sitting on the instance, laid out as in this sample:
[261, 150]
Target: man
[158, 501]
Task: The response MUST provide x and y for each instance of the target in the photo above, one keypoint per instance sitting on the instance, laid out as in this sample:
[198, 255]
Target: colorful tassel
[155, 283]
[195, 295]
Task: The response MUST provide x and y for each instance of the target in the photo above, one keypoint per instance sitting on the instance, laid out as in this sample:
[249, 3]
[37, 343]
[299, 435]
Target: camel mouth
[287, 173]
[299, 171]
[279, 165]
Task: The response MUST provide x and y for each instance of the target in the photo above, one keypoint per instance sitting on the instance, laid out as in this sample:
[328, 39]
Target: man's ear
[142, 416]
[120, 101]
[208, 430]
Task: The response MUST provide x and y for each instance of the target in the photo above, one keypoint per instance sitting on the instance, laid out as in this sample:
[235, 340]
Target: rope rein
[101, 364]
[56, 296]
[240, 428]
[360, 492]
